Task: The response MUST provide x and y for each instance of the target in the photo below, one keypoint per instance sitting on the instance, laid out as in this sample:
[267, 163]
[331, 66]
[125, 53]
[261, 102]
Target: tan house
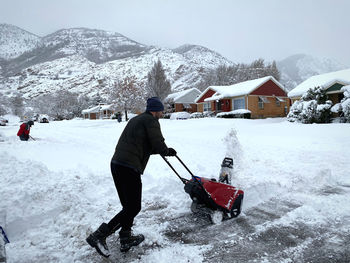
[332, 82]
[182, 100]
[101, 111]
[262, 98]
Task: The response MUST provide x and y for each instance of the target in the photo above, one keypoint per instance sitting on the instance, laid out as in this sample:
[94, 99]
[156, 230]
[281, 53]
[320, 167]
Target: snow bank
[58, 189]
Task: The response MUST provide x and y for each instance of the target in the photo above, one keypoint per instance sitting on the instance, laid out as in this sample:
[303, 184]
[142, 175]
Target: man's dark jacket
[141, 138]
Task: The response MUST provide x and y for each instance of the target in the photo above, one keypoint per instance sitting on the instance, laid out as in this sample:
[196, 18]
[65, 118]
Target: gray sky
[239, 30]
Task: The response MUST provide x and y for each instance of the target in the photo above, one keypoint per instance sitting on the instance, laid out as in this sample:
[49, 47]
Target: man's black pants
[129, 188]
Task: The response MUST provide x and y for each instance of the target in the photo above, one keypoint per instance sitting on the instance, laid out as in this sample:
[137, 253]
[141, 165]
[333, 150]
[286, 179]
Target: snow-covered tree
[127, 96]
[17, 104]
[3, 105]
[157, 83]
[96, 99]
[60, 105]
[83, 102]
[229, 75]
[313, 107]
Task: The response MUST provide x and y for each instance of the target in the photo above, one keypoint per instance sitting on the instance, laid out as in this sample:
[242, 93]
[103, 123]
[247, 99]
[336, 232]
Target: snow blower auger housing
[219, 200]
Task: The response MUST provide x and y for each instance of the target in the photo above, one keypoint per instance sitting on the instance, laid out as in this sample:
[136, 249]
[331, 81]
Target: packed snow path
[58, 189]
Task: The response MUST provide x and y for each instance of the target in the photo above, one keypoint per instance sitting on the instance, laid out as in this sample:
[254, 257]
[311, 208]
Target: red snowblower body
[219, 200]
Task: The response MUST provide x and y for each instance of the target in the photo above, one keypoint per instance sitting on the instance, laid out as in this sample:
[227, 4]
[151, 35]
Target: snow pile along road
[58, 189]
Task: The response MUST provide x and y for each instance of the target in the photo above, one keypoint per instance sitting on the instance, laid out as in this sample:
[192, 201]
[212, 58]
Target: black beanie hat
[154, 104]
[30, 123]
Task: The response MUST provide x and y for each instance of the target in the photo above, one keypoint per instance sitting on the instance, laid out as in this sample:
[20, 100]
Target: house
[101, 111]
[263, 97]
[332, 82]
[183, 100]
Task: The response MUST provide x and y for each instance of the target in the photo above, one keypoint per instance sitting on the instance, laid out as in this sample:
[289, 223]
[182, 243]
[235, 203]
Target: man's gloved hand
[171, 152]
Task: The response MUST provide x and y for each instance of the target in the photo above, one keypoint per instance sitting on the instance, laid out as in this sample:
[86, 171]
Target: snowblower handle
[181, 178]
[184, 165]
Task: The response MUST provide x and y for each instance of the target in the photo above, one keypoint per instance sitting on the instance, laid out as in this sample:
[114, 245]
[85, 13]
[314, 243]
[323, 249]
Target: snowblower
[218, 200]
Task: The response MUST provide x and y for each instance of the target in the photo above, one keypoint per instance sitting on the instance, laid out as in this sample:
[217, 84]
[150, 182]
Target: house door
[218, 106]
[226, 105]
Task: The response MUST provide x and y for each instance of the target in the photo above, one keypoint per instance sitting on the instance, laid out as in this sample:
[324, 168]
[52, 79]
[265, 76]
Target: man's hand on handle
[171, 152]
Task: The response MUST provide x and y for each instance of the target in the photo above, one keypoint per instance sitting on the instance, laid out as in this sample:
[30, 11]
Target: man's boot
[98, 239]
[127, 240]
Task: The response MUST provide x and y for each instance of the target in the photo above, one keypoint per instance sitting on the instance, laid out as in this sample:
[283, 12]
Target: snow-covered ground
[57, 189]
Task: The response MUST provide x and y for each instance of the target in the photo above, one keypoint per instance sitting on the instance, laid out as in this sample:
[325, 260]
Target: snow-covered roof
[325, 80]
[239, 89]
[184, 96]
[97, 108]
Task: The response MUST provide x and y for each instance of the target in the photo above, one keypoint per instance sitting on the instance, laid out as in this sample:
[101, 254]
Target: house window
[186, 106]
[261, 104]
[262, 100]
[278, 101]
[207, 106]
[238, 103]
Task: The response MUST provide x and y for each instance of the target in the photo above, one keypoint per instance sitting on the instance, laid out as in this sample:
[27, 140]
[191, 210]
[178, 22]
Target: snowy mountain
[90, 61]
[14, 41]
[96, 45]
[297, 68]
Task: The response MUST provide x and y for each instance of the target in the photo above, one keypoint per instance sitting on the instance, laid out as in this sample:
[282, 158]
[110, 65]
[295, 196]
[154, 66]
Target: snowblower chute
[220, 201]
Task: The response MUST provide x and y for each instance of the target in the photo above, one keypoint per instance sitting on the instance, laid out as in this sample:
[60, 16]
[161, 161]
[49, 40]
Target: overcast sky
[241, 30]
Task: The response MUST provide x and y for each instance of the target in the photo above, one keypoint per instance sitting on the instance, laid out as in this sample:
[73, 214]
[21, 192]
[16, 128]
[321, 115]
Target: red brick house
[264, 97]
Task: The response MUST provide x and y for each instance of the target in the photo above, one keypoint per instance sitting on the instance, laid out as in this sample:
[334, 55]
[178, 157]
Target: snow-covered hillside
[14, 41]
[58, 189]
[88, 61]
[297, 68]
[96, 45]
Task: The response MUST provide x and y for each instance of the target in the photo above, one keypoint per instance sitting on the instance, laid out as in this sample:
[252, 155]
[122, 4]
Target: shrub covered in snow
[346, 103]
[343, 108]
[208, 114]
[241, 113]
[196, 115]
[313, 107]
[183, 115]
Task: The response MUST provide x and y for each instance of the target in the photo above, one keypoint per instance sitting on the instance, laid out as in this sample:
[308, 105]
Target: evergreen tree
[313, 107]
[157, 83]
[273, 70]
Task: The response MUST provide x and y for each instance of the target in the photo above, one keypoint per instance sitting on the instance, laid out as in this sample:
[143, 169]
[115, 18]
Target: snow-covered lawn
[57, 189]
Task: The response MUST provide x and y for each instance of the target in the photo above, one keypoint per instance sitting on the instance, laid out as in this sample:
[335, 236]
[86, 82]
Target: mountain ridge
[299, 67]
[84, 58]
[80, 59]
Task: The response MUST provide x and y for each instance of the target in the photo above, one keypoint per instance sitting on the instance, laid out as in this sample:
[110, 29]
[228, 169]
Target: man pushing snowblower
[141, 138]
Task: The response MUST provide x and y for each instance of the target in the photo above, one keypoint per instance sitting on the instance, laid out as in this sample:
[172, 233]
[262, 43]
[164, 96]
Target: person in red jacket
[24, 130]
